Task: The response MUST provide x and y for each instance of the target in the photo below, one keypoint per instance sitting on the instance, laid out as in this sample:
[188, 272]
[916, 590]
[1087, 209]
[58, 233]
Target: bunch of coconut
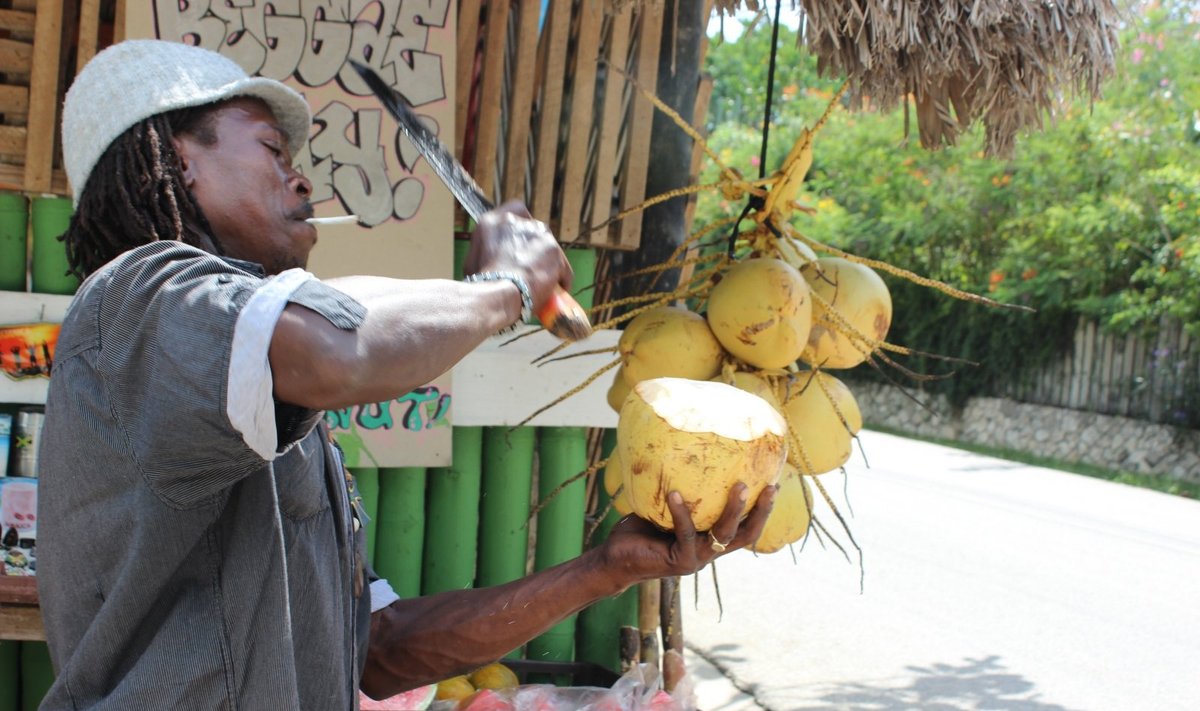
[685, 421]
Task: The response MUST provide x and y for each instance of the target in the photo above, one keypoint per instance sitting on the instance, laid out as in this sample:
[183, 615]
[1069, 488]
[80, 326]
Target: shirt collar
[252, 267]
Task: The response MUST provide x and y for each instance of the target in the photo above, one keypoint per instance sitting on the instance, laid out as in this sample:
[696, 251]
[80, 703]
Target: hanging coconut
[824, 417]
[618, 391]
[700, 439]
[791, 515]
[761, 312]
[859, 299]
[668, 341]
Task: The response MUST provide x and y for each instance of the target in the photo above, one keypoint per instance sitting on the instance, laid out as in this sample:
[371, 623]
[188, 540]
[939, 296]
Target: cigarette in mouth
[339, 220]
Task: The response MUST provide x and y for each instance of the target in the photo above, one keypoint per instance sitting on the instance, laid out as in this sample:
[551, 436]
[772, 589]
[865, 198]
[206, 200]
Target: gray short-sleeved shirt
[197, 545]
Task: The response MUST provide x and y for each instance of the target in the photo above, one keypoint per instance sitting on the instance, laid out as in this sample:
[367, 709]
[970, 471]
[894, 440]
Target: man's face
[254, 200]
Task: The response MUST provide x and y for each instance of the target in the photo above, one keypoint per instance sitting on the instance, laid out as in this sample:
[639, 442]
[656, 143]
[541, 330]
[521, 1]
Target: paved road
[987, 585]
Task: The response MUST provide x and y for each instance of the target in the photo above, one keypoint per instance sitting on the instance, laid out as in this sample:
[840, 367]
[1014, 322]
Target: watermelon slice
[417, 699]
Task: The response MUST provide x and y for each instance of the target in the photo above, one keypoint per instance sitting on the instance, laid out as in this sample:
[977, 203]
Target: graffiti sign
[421, 409]
[310, 42]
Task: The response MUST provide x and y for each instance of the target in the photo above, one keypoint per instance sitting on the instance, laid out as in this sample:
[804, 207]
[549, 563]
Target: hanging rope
[755, 202]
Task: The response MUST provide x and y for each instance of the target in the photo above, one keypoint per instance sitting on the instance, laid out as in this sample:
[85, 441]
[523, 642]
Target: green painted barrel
[14, 223]
[51, 217]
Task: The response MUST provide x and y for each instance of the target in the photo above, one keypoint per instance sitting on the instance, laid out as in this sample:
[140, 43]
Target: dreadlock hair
[136, 194]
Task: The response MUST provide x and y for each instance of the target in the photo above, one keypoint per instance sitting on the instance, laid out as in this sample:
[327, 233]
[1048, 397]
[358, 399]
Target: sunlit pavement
[986, 584]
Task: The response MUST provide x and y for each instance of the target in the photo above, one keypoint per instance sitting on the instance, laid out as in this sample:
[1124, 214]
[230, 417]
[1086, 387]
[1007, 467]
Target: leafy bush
[1097, 216]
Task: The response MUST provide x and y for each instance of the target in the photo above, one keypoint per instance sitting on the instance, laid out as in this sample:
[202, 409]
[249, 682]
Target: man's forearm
[414, 331]
[419, 641]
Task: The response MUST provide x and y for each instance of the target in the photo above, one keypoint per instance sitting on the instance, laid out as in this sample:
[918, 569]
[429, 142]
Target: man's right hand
[508, 239]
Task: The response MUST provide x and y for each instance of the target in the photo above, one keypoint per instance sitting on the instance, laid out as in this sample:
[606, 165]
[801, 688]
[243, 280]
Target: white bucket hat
[136, 79]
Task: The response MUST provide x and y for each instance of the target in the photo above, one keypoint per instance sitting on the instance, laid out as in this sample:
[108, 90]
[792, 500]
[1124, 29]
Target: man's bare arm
[423, 640]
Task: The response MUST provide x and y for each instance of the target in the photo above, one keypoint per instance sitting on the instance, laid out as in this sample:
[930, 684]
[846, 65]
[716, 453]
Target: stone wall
[1052, 432]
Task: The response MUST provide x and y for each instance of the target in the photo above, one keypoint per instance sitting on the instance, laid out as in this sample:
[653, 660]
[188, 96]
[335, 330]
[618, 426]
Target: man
[199, 544]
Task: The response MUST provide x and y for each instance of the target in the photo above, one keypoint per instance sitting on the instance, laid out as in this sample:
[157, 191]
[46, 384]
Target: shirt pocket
[300, 479]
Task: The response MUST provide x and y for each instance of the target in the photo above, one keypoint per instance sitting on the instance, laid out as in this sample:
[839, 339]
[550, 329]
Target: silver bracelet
[522, 286]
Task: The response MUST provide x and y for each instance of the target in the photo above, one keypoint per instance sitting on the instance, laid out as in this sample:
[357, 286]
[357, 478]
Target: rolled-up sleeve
[185, 338]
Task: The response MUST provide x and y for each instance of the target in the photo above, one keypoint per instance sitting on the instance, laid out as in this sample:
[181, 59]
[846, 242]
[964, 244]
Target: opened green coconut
[698, 438]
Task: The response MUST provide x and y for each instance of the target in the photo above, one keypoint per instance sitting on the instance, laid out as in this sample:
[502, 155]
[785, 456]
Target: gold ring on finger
[716, 545]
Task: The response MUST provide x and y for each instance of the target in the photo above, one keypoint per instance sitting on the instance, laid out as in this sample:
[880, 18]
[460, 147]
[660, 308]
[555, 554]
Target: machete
[561, 315]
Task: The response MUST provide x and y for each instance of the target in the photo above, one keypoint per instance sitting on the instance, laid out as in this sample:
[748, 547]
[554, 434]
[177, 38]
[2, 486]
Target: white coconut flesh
[696, 406]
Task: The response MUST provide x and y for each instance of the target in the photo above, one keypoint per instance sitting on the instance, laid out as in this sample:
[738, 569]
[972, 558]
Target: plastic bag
[640, 689]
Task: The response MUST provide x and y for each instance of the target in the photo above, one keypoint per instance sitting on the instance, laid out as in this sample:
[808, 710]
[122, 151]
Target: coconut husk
[1008, 63]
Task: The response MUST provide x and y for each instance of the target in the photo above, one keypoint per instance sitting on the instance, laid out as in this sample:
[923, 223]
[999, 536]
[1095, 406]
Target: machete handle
[562, 316]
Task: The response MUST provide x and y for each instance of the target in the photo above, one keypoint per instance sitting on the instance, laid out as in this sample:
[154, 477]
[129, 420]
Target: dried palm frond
[1005, 62]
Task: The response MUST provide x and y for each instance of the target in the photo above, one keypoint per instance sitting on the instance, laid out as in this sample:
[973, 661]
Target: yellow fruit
[824, 417]
[621, 503]
[455, 688]
[668, 341]
[791, 515]
[614, 480]
[494, 676]
[612, 472]
[618, 391]
[698, 438]
[761, 312]
[860, 298]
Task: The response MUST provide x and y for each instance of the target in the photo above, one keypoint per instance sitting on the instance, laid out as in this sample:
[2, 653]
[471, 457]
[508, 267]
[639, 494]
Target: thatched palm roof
[1007, 62]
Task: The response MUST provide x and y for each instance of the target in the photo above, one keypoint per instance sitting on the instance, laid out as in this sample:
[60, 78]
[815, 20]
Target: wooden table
[20, 617]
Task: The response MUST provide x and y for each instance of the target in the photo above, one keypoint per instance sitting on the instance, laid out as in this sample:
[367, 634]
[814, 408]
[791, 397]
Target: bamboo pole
[400, 538]
[599, 625]
[452, 511]
[504, 506]
[562, 453]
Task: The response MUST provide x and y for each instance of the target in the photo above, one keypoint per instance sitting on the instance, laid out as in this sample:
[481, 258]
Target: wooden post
[43, 95]
[520, 102]
[552, 62]
[672, 634]
[610, 122]
[649, 606]
[89, 33]
[637, 152]
[487, 119]
[583, 94]
[464, 71]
